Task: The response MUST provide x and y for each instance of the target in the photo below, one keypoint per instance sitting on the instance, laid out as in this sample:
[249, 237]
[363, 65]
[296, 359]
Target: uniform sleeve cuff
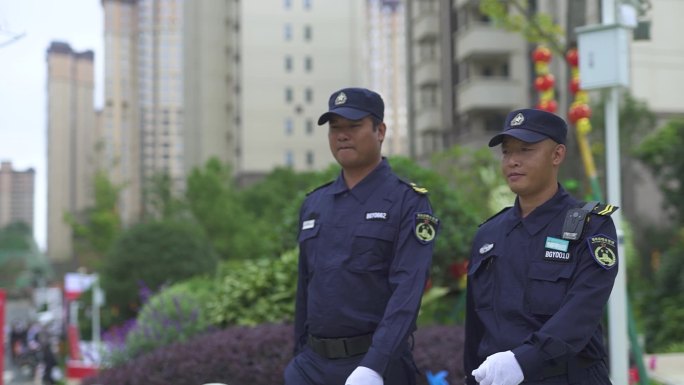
[530, 360]
[375, 360]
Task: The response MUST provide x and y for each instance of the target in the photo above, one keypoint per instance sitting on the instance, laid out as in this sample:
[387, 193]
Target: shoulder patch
[415, 187]
[503, 210]
[604, 209]
[604, 250]
[320, 187]
[426, 226]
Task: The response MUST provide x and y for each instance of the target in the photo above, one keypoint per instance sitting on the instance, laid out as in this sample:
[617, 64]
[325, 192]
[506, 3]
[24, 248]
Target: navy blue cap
[532, 126]
[354, 104]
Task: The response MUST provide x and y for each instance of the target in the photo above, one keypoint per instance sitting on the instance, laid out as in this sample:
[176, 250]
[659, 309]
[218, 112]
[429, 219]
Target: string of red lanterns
[579, 111]
[545, 81]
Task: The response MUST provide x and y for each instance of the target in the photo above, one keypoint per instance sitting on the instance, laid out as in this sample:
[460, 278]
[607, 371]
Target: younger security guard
[540, 272]
[365, 249]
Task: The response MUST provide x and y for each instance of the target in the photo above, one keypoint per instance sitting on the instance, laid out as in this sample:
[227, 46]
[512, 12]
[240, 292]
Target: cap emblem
[518, 119]
[340, 99]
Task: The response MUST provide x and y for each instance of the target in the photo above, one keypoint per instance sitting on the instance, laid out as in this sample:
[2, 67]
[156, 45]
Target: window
[307, 4]
[288, 127]
[309, 127]
[288, 63]
[287, 31]
[289, 158]
[309, 158]
[308, 95]
[287, 4]
[308, 33]
[308, 63]
[288, 94]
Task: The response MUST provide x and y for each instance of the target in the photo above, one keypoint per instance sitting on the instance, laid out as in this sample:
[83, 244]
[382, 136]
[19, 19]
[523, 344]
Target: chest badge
[556, 244]
[376, 216]
[486, 247]
[426, 227]
[604, 250]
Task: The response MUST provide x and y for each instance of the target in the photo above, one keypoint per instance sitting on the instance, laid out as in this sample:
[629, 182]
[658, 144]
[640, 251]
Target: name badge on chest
[556, 250]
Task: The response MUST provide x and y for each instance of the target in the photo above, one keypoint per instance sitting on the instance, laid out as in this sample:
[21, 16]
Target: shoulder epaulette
[320, 187]
[503, 210]
[415, 187]
[604, 209]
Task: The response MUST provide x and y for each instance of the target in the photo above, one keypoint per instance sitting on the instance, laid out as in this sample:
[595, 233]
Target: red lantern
[574, 85]
[579, 111]
[547, 105]
[544, 82]
[572, 57]
[542, 54]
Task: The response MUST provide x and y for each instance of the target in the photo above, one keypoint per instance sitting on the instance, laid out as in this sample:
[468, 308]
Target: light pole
[603, 62]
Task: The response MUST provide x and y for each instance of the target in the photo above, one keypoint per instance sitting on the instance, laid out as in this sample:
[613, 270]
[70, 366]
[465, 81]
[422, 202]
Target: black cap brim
[518, 133]
[345, 112]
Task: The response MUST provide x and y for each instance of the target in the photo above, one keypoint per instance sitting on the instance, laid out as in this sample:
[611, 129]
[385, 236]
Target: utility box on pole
[603, 56]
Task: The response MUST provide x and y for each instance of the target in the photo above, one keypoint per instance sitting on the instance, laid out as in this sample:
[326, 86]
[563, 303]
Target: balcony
[428, 119]
[426, 27]
[483, 39]
[427, 73]
[480, 93]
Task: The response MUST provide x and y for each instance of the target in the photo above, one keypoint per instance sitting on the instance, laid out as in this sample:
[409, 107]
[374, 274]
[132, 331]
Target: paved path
[667, 368]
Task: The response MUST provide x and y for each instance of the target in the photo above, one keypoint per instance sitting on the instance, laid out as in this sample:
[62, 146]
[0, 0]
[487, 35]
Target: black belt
[562, 368]
[340, 347]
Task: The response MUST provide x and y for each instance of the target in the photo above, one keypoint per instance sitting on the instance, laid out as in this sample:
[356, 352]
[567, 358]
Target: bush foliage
[252, 292]
[155, 253]
[258, 356]
[173, 315]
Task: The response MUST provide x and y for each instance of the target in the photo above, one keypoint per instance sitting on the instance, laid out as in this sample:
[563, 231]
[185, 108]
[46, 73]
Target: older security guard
[365, 243]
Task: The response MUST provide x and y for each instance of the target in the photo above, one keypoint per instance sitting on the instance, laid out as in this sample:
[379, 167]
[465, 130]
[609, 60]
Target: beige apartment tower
[293, 55]
[16, 195]
[211, 57]
[120, 122]
[71, 142]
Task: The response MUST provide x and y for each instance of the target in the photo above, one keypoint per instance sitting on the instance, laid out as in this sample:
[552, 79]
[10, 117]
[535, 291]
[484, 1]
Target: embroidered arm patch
[604, 250]
[426, 227]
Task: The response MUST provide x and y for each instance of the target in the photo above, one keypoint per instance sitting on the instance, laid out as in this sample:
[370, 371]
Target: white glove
[364, 376]
[499, 369]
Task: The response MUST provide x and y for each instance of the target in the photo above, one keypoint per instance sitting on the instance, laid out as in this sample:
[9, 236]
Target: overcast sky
[23, 106]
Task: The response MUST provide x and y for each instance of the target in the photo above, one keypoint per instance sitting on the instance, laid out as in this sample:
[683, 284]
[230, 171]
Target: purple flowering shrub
[258, 356]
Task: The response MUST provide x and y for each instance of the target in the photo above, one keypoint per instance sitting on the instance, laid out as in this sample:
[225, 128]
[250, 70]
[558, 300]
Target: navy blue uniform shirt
[362, 267]
[531, 292]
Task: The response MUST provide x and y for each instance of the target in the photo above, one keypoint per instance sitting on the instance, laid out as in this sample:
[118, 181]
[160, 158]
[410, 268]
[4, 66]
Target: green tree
[662, 153]
[153, 254]
[96, 228]
[517, 16]
[160, 200]
[214, 202]
[663, 311]
[21, 263]
[274, 203]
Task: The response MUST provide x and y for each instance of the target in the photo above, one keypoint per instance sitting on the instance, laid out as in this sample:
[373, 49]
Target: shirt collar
[367, 186]
[540, 216]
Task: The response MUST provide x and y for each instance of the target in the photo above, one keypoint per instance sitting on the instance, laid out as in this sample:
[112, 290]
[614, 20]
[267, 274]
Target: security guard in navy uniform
[540, 272]
[365, 244]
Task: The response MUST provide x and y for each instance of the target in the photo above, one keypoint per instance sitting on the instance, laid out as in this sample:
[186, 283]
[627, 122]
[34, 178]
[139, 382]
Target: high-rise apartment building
[16, 195]
[211, 80]
[387, 65]
[120, 114]
[71, 141]
[143, 112]
[293, 55]
[160, 91]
